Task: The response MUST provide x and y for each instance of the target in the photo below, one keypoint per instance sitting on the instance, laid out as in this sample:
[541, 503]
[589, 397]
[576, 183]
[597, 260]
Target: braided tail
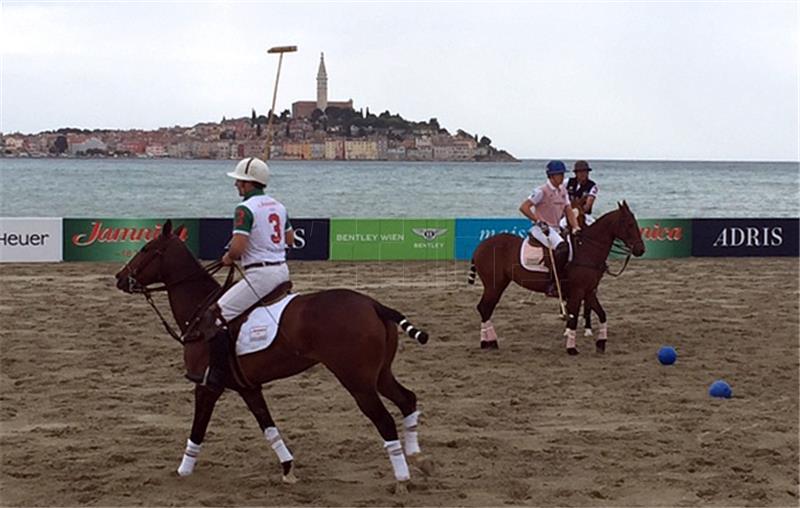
[389, 314]
[471, 275]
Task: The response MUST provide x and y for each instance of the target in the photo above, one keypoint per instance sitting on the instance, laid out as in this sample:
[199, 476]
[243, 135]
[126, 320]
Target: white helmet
[251, 170]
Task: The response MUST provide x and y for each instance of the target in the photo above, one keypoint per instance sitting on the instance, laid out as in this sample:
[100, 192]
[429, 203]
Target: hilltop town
[312, 130]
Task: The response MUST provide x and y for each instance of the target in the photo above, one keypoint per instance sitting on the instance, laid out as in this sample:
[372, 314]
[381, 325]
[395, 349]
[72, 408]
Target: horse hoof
[401, 488]
[572, 351]
[600, 346]
[290, 479]
[587, 332]
[489, 344]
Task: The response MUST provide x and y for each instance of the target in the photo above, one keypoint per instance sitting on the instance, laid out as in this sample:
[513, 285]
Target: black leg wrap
[218, 359]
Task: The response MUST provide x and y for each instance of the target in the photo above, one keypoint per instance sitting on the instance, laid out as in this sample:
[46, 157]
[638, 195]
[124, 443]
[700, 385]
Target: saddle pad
[261, 327]
[532, 258]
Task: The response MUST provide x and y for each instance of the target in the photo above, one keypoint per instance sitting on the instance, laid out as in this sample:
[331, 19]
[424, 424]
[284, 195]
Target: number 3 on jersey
[275, 220]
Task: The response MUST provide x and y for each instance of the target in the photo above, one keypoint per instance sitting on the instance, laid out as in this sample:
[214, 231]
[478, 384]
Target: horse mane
[194, 264]
[602, 220]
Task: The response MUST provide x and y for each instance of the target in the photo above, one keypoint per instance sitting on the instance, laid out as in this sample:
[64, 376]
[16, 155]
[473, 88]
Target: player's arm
[288, 232]
[239, 243]
[242, 225]
[528, 207]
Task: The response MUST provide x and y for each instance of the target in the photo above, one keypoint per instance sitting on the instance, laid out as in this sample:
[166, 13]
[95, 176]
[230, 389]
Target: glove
[544, 227]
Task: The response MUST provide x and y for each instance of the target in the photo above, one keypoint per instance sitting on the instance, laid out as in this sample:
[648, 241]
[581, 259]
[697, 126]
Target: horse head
[147, 266]
[627, 230]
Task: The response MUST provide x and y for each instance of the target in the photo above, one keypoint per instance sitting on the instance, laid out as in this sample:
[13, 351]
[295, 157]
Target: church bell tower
[322, 84]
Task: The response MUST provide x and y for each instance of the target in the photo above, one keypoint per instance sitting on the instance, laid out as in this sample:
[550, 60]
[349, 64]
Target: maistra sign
[745, 237]
[26, 240]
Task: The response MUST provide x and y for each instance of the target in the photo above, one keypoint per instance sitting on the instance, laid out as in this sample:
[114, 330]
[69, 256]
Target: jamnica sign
[658, 233]
[101, 234]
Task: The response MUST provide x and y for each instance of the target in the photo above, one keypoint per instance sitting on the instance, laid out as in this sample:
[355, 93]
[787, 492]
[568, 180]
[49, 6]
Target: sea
[151, 188]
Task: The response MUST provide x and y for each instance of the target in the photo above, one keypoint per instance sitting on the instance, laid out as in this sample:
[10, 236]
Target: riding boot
[560, 254]
[218, 366]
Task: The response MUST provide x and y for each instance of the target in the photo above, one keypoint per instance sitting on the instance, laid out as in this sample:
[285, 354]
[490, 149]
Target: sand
[95, 410]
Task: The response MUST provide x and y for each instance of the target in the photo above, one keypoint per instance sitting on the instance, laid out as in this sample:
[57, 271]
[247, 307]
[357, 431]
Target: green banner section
[119, 239]
[392, 239]
[665, 238]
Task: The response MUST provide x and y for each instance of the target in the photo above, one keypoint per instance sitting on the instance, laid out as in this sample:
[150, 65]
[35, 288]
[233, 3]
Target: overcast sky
[621, 80]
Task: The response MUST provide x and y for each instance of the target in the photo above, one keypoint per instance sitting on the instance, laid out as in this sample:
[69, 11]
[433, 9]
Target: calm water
[179, 188]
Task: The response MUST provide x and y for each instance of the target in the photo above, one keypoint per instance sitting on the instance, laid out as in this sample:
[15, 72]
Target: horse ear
[625, 205]
[166, 229]
[619, 204]
[179, 230]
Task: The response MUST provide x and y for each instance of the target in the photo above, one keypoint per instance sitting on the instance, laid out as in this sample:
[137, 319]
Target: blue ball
[720, 389]
[667, 355]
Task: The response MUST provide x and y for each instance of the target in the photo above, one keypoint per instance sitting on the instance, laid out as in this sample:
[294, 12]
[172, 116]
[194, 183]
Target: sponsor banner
[665, 238]
[311, 238]
[471, 232]
[392, 239]
[745, 237]
[118, 239]
[30, 239]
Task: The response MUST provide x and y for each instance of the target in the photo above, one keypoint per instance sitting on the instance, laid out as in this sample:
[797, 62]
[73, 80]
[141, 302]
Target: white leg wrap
[189, 458]
[410, 436]
[276, 442]
[399, 464]
[571, 340]
[602, 333]
[587, 332]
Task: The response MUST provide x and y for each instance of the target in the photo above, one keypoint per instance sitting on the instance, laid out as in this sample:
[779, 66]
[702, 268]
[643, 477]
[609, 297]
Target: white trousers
[552, 239]
[259, 282]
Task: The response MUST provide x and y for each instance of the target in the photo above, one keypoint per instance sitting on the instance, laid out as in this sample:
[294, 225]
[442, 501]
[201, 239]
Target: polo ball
[667, 355]
[720, 389]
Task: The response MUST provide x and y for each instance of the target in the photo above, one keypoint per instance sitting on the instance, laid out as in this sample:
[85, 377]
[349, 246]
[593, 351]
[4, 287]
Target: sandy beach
[94, 409]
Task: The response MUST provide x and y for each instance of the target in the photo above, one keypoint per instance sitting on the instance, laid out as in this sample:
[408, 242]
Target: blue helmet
[556, 168]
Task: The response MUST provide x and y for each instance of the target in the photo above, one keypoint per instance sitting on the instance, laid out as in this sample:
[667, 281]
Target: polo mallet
[558, 282]
[280, 50]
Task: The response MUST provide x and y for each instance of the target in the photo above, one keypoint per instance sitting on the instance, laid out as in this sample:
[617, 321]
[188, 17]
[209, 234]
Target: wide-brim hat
[581, 166]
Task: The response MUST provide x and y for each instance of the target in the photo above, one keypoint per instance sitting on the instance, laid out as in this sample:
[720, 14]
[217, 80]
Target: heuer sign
[745, 237]
[30, 239]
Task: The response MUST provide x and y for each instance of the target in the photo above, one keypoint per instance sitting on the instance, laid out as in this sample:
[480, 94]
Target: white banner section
[25, 240]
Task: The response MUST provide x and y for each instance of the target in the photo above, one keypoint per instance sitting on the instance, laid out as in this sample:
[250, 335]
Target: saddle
[206, 327]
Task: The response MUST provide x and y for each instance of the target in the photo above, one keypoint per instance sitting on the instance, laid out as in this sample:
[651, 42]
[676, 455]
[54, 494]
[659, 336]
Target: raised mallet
[280, 50]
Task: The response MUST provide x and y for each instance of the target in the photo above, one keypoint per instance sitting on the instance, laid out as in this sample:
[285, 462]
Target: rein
[210, 269]
[617, 247]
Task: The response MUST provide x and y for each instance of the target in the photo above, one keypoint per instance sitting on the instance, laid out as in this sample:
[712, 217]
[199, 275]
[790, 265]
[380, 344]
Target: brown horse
[497, 262]
[353, 335]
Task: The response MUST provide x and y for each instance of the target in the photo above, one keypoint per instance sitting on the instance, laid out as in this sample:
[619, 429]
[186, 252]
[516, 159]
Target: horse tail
[389, 314]
[472, 272]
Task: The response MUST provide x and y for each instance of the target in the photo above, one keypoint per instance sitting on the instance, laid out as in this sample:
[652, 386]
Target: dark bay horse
[353, 335]
[496, 261]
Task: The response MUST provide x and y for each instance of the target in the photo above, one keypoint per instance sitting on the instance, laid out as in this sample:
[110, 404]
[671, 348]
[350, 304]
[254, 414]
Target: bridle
[135, 287]
[617, 247]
